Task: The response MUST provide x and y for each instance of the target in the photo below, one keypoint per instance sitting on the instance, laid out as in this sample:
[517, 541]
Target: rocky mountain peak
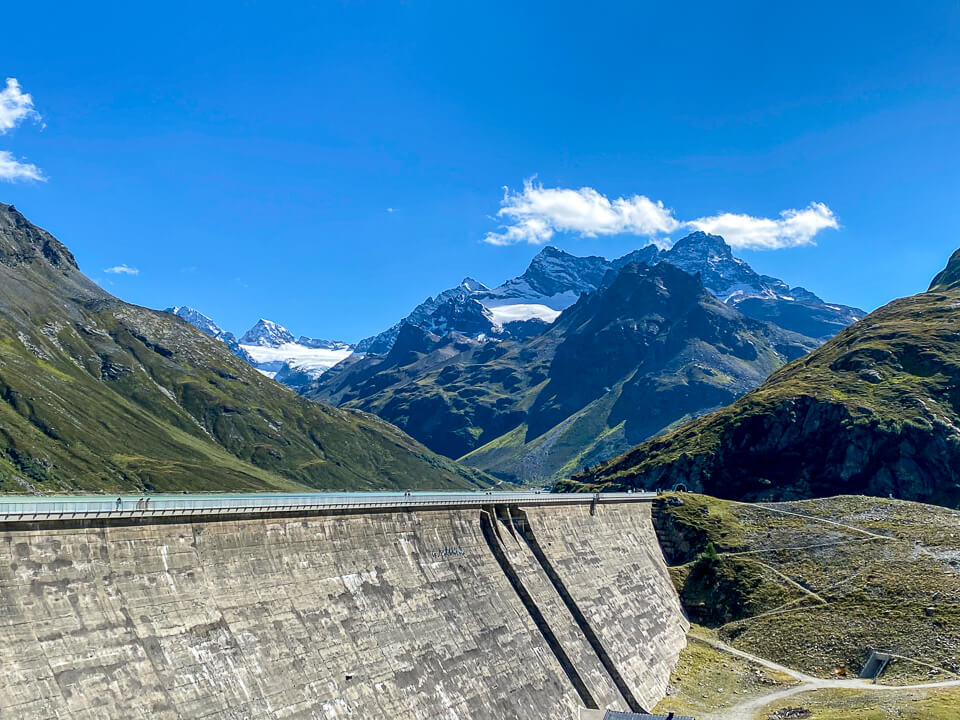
[637, 291]
[648, 255]
[702, 245]
[724, 275]
[949, 277]
[549, 256]
[22, 242]
[461, 314]
[555, 272]
[267, 333]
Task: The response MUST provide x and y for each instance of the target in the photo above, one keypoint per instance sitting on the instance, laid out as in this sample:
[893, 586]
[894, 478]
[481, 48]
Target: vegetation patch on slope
[818, 585]
[707, 680]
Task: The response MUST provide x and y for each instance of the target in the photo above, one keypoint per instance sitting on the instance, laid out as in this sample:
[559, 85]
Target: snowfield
[314, 361]
[524, 311]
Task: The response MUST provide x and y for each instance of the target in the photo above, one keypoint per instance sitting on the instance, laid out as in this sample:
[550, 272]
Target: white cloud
[12, 169]
[792, 228]
[537, 213]
[15, 106]
[122, 270]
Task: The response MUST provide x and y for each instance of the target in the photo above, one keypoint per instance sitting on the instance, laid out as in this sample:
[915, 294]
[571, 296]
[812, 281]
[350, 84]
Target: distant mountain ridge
[272, 349]
[526, 305]
[555, 279]
[382, 342]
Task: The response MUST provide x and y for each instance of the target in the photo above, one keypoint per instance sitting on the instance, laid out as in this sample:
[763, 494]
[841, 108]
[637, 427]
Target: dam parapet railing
[30, 509]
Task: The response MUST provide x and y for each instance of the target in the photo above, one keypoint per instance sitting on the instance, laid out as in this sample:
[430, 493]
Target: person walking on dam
[119, 503]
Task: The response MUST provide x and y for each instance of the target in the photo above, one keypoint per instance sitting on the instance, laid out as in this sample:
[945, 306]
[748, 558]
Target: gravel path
[748, 709]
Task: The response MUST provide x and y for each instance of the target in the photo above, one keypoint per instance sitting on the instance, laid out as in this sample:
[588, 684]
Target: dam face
[475, 612]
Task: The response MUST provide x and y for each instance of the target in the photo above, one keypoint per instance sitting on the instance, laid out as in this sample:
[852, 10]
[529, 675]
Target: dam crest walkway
[80, 507]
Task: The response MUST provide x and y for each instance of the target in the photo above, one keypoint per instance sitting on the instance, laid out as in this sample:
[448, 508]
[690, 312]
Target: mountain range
[208, 326]
[649, 348]
[555, 280]
[526, 305]
[876, 410]
[98, 394]
[524, 404]
[679, 366]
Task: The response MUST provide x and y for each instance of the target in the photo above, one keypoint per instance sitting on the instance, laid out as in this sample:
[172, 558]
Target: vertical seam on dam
[489, 533]
[522, 525]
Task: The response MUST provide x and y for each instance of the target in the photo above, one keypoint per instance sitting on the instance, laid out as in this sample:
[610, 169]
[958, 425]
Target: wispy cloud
[12, 169]
[16, 107]
[536, 213]
[122, 270]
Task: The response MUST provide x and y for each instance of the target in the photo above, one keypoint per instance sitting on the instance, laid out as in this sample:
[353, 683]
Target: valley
[100, 395]
[569, 364]
[787, 595]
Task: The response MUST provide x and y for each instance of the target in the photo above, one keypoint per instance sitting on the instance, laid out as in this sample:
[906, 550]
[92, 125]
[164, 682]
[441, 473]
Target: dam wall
[592, 680]
[374, 614]
[607, 560]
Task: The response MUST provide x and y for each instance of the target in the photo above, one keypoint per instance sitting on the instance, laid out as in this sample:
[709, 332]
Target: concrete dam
[474, 606]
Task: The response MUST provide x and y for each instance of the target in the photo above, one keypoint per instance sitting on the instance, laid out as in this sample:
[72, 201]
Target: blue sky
[244, 157]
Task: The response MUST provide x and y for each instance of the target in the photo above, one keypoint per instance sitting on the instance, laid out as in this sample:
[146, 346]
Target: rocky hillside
[876, 411]
[649, 349]
[99, 394]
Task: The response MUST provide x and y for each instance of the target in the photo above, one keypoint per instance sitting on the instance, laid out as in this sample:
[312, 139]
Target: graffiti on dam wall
[266, 625]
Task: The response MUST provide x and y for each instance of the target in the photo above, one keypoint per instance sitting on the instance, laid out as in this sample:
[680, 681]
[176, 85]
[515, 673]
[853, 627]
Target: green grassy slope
[98, 394]
[816, 585]
[876, 410]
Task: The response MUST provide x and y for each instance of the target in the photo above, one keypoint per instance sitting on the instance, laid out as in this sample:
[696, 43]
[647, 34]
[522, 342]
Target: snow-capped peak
[197, 319]
[471, 285]
[267, 333]
[208, 326]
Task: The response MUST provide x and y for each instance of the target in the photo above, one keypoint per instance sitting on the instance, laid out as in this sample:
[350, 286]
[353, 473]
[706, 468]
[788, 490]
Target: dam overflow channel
[334, 605]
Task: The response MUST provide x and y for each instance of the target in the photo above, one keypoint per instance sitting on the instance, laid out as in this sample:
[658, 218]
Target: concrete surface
[610, 562]
[360, 615]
